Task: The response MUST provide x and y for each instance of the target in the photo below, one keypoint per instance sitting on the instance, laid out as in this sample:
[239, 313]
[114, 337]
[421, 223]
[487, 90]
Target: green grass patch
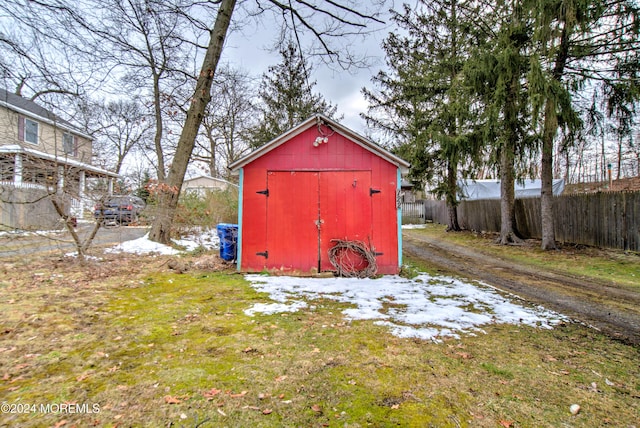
[154, 348]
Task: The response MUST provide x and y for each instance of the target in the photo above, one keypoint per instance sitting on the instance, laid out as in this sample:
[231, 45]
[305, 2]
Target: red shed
[316, 183]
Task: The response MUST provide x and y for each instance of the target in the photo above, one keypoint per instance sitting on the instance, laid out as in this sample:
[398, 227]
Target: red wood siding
[254, 220]
[345, 210]
[292, 212]
[306, 181]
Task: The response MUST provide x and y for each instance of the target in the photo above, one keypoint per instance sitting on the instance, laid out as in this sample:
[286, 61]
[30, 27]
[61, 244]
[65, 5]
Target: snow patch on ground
[426, 307]
[208, 239]
[414, 226]
[142, 246]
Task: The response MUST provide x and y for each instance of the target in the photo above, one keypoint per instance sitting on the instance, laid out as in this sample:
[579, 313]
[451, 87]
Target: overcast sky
[249, 50]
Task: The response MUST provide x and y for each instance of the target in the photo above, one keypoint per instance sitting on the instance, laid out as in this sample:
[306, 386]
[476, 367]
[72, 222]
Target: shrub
[197, 212]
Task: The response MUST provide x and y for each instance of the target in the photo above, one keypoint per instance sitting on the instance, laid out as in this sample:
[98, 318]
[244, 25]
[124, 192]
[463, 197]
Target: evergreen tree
[143, 188]
[497, 73]
[578, 41]
[422, 102]
[287, 97]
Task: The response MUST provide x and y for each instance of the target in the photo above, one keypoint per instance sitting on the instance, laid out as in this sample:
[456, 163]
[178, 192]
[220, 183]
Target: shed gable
[299, 153]
[319, 132]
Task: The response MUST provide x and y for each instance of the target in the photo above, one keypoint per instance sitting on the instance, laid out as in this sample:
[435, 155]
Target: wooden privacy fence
[413, 212]
[610, 219]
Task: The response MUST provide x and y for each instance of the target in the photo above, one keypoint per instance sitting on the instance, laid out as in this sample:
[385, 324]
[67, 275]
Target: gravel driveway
[611, 309]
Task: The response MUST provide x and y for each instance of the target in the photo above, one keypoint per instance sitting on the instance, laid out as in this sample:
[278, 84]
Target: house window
[69, 144]
[29, 131]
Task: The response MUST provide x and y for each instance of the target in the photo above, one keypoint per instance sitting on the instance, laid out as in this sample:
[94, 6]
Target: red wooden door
[345, 210]
[292, 215]
[306, 210]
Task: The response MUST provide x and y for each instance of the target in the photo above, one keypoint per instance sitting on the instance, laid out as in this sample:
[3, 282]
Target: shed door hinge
[265, 254]
[263, 192]
[372, 191]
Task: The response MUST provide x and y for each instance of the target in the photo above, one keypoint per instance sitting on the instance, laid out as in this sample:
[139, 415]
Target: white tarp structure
[471, 190]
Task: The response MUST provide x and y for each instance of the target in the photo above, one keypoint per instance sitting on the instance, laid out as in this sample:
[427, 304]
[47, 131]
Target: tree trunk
[57, 200]
[548, 135]
[452, 161]
[168, 193]
[604, 160]
[619, 165]
[452, 203]
[157, 139]
[508, 232]
[546, 195]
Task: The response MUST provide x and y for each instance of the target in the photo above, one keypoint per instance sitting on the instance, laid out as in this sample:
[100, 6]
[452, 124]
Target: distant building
[471, 190]
[41, 155]
[205, 183]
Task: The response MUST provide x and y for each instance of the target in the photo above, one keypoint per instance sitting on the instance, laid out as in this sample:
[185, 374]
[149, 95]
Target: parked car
[119, 209]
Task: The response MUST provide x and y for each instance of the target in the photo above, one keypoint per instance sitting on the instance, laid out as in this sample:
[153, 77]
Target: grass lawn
[128, 342]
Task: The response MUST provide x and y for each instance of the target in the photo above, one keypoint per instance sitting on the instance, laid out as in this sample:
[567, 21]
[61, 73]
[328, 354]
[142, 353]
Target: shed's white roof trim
[346, 132]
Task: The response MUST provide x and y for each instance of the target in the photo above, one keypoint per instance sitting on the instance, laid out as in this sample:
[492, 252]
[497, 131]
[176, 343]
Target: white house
[205, 183]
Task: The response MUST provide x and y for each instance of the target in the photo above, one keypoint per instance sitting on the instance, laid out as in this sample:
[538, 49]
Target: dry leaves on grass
[170, 399]
[213, 392]
[464, 355]
[210, 394]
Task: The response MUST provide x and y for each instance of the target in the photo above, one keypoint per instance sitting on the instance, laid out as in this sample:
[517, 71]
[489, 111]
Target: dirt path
[613, 310]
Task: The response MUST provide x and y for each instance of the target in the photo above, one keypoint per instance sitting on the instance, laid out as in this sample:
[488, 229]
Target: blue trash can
[228, 234]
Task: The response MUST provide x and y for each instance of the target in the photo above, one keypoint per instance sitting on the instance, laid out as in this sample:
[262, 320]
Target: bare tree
[119, 128]
[150, 45]
[338, 19]
[31, 67]
[142, 46]
[226, 124]
[169, 190]
[48, 194]
[146, 41]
